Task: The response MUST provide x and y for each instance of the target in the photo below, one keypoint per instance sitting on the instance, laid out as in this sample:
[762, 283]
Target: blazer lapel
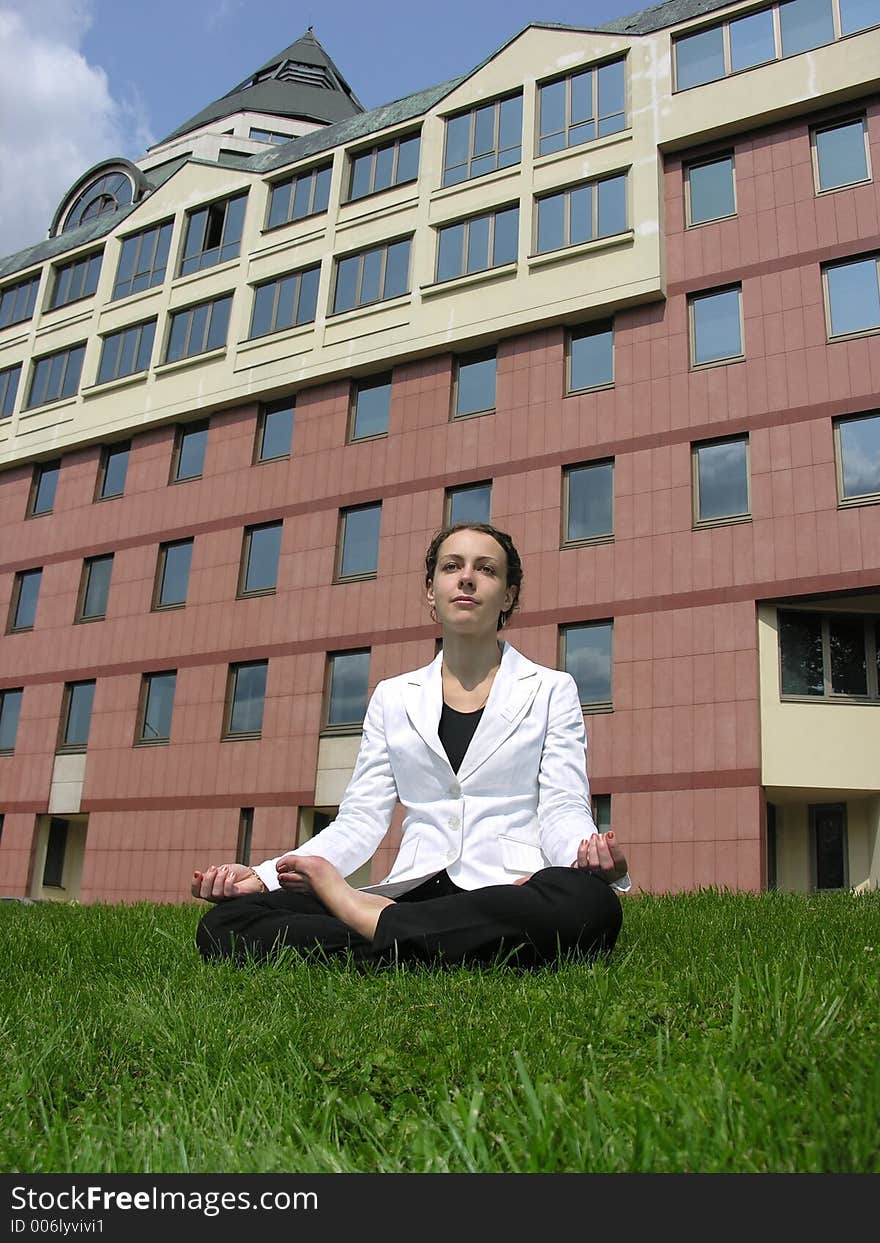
[423, 701]
[515, 686]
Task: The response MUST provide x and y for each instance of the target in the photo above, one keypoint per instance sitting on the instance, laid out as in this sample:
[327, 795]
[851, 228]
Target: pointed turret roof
[300, 81]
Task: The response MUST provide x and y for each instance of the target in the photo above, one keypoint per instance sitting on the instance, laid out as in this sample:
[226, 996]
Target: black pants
[557, 911]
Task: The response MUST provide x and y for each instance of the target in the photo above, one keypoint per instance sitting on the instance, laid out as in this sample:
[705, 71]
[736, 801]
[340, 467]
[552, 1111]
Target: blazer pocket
[521, 856]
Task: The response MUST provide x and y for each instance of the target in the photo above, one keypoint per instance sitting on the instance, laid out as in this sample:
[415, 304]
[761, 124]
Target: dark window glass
[79, 696]
[76, 280]
[158, 706]
[372, 408]
[25, 594]
[276, 430]
[96, 587]
[127, 352]
[588, 660]
[591, 358]
[247, 696]
[602, 812]
[360, 541]
[841, 155]
[44, 487]
[113, 471]
[752, 41]
[597, 209]
[483, 140]
[722, 479]
[388, 165]
[717, 331]
[699, 58]
[262, 546]
[349, 677]
[198, 329]
[245, 834]
[482, 242]
[10, 710]
[268, 135]
[846, 645]
[17, 301]
[470, 504]
[854, 296]
[174, 564]
[586, 105]
[8, 390]
[829, 835]
[372, 276]
[143, 260]
[800, 646]
[475, 385]
[56, 376]
[859, 456]
[292, 299]
[300, 196]
[213, 234]
[710, 190]
[190, 454]
[105, 194]
[858, 15]
[805, 24]
[56, 849]
[590, 509]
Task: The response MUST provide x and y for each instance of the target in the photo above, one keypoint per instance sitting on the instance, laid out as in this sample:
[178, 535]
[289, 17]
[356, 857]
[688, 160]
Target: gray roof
[280, 97]
[647, 21]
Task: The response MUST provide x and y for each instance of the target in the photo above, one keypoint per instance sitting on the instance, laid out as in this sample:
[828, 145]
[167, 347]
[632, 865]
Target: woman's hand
[601, 855]
[229, 880]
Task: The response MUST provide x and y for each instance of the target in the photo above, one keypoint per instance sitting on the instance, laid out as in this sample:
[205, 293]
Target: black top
[456, 729]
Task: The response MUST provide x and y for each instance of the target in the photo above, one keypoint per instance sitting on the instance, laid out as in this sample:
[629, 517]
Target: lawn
[729, 1032]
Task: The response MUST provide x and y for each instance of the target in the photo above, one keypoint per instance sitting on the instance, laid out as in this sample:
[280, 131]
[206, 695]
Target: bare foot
[358, 910]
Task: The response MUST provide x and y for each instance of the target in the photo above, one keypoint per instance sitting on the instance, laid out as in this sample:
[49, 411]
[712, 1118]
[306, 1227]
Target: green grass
[728, 1033]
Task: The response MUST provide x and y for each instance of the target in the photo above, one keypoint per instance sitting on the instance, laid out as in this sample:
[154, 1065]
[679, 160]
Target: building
[618, 289]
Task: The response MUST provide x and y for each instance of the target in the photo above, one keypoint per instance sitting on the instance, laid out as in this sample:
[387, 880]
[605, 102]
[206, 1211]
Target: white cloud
[57, 114]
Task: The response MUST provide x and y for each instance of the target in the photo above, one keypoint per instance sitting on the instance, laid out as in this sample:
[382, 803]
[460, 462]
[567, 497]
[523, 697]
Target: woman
[486, 750]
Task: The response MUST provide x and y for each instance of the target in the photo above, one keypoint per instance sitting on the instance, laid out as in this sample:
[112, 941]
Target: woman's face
[470, 583]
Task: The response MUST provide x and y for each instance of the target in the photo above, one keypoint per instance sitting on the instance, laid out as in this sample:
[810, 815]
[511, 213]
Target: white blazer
[519, 802]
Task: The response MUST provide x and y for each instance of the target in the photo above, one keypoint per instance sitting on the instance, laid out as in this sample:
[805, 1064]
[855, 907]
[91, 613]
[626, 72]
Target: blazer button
[454, 822]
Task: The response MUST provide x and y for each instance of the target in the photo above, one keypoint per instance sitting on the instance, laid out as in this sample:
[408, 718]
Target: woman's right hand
[229, 880]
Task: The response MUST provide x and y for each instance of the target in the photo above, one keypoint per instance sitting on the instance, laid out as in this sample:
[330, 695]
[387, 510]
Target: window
[143, 260]
[213, 234]
[829, 846]
[275, 430]
[106, 193]
[585, 105]
[8, 389]
[10, 711]
[483, 140]
[348, 677]
[76, 715]
[297, 197]
[602, 812]
[591, 357]
[721, 480]
[392, 164]
[112, 471]
[805, 24]
[245, 835]
[372, 276]
[245, 696]
[126, 352]
[43, 488]
[853, 296]
[482, 242]
[857, 442]
[269, 135]
[588, 503]
[709, 193]
[840, 155]
[716, 326]
[582, 214]
[829, 656]
[94, 588]
[198, 329]
[475, 384]
[358, 555]
[75, 280]
[288, 300]
[17, 301]
[468, 504]
[56, 850]
[586, 655]
[371, 408]
[188, 459]
[25, 594]
[156, 707]
[172, 574]
[259, 559]
[56, 376]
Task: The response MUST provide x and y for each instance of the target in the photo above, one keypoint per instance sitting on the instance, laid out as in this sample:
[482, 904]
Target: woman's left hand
[601, 855]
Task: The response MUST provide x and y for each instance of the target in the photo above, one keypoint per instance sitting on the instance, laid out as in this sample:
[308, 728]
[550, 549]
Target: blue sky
[82, 80]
